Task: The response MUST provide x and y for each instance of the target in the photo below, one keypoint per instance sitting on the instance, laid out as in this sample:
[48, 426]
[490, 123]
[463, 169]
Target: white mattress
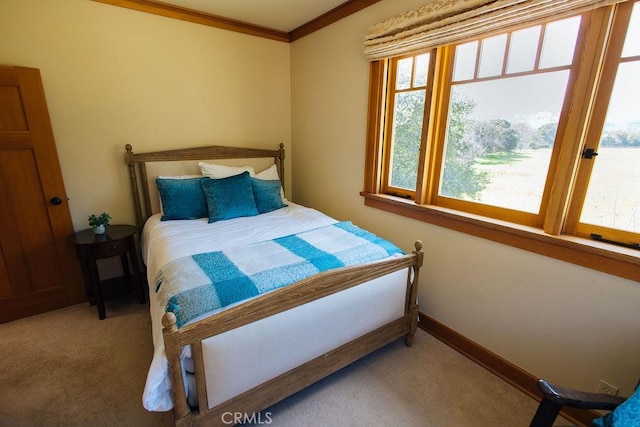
[164, 241]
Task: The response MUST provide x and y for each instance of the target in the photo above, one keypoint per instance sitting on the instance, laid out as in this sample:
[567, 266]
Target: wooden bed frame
[302, 292]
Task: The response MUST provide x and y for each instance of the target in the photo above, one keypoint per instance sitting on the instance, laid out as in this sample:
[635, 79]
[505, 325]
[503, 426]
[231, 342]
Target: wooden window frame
[388, 122]
[613, 58]
[548, 235]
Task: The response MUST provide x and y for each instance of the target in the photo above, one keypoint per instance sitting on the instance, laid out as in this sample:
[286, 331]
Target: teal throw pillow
[625, 415]
[267, 194]
[229, 198]
[181, 198]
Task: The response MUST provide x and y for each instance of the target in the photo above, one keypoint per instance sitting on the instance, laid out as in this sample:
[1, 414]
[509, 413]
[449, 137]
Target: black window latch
[589, 153]
[599, 238]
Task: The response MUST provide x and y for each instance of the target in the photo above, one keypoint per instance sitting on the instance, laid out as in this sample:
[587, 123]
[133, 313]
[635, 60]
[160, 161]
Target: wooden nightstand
[117, 240]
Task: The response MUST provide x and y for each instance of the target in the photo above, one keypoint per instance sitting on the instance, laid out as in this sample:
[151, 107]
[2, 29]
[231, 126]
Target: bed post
[134, 186]
[172, 348]
[413, 308]
[281, 164]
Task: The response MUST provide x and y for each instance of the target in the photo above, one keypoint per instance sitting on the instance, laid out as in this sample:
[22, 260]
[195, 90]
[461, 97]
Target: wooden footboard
[305, 291]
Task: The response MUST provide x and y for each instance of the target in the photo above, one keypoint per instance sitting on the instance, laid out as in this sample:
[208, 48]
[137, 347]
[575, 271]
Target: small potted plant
[99, 222]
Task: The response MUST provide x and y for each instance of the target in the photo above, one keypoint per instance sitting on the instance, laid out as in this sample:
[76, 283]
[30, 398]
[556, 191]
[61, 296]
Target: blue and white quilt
[197, 284]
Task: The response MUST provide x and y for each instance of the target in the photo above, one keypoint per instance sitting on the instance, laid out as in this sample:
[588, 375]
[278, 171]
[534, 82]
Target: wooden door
[38, 268]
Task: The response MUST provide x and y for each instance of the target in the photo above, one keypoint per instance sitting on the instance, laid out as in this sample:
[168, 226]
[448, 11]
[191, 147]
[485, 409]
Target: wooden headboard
[144, 168]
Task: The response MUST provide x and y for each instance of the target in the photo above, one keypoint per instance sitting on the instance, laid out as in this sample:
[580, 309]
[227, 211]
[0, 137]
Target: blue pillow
[181, 198]
[230, 197]
[625, 415]
[267, 194]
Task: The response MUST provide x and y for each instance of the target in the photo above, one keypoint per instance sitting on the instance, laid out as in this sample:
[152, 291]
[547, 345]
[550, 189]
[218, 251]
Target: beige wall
[113, 76]
[553, 319]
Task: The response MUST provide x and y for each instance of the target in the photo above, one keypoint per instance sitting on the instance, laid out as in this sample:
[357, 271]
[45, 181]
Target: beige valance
[442, 22]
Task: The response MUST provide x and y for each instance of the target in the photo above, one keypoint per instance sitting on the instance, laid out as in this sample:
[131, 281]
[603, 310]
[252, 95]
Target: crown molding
[189, 15]
[334, 15]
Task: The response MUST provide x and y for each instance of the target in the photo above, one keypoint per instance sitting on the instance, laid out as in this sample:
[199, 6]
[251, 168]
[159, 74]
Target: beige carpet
[67, 368]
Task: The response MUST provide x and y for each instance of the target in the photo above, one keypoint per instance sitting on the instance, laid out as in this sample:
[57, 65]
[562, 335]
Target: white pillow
[215, 171]
[271, 174]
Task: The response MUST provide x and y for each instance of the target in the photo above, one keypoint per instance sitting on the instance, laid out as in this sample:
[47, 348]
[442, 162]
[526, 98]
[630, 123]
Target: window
[501, 124]
[607, 202]
[537, 128]
[406, 109]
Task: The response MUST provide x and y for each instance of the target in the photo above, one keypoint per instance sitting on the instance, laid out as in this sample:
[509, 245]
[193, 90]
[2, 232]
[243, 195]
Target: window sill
[599, 256]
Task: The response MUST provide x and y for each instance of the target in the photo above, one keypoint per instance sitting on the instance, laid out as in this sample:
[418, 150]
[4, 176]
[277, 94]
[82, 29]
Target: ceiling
[281, 15]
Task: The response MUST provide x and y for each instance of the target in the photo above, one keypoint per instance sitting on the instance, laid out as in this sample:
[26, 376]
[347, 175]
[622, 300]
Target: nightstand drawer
[109, 249]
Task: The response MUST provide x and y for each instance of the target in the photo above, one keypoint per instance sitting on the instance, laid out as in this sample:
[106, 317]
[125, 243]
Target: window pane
[632, 42]
[492, 56]
[613, 195]
[559, 43]
[403, 73]
[422, 65]
[407, 129]
[522, 50]
[465, 61]
[499, 139]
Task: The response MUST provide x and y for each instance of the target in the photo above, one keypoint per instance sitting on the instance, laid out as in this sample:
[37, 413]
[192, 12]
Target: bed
[221, 364]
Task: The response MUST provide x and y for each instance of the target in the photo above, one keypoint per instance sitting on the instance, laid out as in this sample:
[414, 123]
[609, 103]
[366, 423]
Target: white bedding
[321, 325]
[164, 241]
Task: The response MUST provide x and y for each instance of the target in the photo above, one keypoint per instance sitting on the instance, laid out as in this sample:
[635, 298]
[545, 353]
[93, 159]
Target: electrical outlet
[607, 388]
